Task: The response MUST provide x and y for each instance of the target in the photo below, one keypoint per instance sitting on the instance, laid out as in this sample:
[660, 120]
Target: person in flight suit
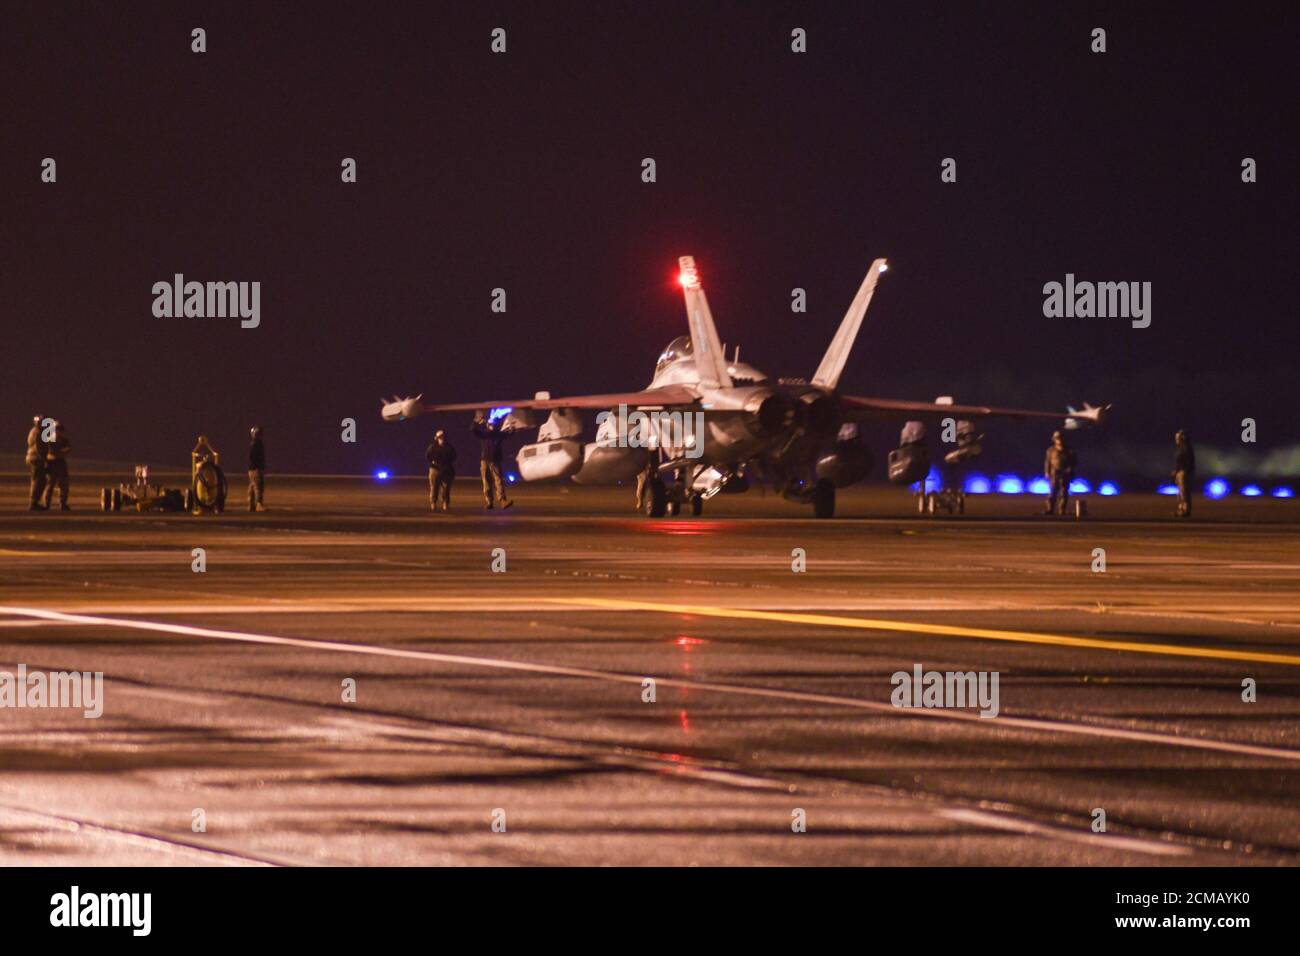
[256, 470]
[1184, 472]
[56, 468]
[441, 456]
[491, 438]
[36, 451]
[1058, 469]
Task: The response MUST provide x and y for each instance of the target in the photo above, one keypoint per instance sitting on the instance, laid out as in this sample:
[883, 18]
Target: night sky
[522, 171]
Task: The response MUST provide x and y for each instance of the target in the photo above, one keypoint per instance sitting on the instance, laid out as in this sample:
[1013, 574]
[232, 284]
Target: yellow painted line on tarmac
[940, 630]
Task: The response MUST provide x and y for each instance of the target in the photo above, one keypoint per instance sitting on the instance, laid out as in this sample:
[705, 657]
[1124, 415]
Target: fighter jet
[705, 425]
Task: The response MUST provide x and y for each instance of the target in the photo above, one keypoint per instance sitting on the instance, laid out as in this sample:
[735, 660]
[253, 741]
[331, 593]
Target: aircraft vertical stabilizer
[710, 362]
[832, 365]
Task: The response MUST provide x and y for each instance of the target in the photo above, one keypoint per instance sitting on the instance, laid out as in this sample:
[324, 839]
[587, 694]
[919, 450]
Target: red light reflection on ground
[678, 527]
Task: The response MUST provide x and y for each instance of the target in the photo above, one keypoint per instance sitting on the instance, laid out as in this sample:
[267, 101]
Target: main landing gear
[819, 493]
[947, 500]
[823, 498]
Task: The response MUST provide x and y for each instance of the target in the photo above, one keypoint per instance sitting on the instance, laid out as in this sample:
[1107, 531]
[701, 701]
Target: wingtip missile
[1088, 415]
[400, 409]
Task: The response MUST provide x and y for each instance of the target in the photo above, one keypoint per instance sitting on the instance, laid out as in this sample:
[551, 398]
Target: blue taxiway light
[932, 480]
[1080, 487]
[1167, 490]
[1039, 486]
[1251, 491]
[1108, 488]
[511, 477]
[977, 485]
[1217, 488]
[1010, 485]
[381, 475]
[1282, 491]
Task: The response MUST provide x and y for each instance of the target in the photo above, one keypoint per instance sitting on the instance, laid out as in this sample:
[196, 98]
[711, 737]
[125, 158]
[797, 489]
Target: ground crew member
[643, 482]
[256, 470]
[491, 438]
[441, 456]
[36, 450]
[1184, 472]
[1058, 469]
[56, 468]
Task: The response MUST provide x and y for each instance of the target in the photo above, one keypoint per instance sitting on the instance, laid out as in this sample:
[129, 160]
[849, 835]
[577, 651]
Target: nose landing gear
[671, 499]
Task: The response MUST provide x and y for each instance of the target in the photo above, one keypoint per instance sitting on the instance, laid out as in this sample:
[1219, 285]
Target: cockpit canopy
[679, 348]
[681, 353]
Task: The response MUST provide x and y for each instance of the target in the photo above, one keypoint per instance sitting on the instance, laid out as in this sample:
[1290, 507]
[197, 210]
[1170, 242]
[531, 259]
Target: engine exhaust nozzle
[776, 412]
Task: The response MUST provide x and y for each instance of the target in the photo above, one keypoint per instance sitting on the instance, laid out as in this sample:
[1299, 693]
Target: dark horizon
[522, 171]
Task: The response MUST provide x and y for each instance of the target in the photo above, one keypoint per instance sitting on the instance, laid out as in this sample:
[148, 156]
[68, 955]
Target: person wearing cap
[1058, 469]
[36, 450]
[256, 470]
[1184, 472]
[56, 468]
[441, 457]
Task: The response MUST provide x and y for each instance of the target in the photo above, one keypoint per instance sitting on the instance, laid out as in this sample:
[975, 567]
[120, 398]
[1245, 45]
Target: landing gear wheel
[656, 499]
[115, 499]
[105, 499]
[961, 502]
[824, 498]
[920, 502]
[697, 505]
[674, 508]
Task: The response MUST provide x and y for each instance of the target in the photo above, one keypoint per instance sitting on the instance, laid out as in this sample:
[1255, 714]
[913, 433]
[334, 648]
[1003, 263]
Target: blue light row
[1008, 484]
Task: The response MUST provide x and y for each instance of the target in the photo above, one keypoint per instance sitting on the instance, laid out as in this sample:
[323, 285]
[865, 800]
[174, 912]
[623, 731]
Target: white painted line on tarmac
[1001, 722]
[998, 821]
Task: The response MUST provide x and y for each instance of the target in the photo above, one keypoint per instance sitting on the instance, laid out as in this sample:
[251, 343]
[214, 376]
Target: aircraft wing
[669, 395]
[859, 408]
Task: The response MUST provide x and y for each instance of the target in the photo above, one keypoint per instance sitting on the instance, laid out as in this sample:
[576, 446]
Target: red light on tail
[689, 277]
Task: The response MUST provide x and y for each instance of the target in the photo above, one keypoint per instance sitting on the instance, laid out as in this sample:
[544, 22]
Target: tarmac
[353, 680]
